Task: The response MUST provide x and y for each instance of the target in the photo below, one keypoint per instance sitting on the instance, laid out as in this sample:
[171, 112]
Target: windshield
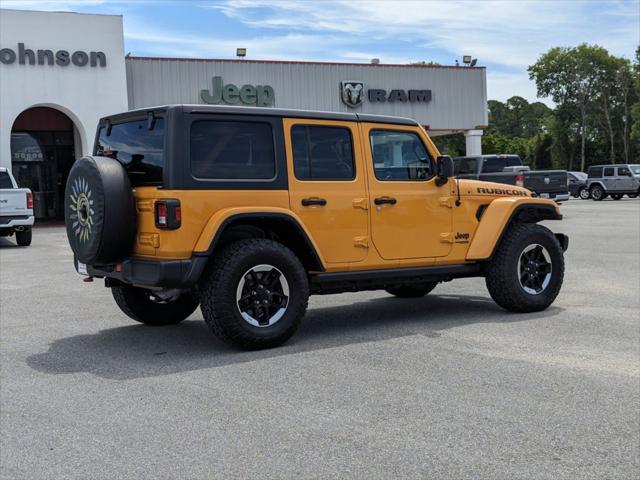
[635, 169]
[465, 165]
[139, 149]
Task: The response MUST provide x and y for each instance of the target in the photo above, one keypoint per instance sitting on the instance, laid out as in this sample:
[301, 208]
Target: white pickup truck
[16, 209]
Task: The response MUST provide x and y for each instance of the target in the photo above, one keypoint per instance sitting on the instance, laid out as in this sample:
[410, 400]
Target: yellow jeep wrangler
[248, 211]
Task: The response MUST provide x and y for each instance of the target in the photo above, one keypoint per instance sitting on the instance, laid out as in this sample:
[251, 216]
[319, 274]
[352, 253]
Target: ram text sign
[353, 94]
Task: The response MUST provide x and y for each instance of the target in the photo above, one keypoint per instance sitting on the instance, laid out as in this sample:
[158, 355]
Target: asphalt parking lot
[449, 386]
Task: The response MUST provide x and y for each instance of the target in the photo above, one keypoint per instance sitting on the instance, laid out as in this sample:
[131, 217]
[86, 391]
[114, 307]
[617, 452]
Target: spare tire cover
[99, 211]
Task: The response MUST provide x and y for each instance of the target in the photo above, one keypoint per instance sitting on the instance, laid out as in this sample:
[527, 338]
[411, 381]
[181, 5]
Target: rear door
[609, 179]
[410, 215]
[327, 186]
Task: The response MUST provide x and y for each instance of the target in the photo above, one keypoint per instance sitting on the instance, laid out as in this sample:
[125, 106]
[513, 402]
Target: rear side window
[5, 180]
[322, 153]
[138, 148]
[232, 150]
[595, 172]
[608, 172]
[399, 156]
[464, 165]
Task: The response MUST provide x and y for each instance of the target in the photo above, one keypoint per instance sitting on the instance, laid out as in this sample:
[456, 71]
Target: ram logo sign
[353, 94]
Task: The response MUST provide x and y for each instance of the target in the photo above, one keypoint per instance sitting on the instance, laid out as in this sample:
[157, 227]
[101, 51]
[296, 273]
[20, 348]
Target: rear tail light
[520, 180]
[29, 200]
[168, 214]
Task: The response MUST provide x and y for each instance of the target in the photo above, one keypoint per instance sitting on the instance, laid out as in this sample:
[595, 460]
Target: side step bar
[325, 283]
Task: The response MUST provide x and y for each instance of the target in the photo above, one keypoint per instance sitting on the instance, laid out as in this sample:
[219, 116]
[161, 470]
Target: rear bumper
[11, 221]
[562, 197]
[151, 273]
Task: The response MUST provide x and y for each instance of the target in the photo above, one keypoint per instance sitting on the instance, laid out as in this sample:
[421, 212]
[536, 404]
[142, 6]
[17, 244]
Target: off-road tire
[219, 286]
[138, 304]
[633, 195]
[597, 193]
[584, 193]
[616, 196]
[502, 277]
[23, 238]
[411, 290]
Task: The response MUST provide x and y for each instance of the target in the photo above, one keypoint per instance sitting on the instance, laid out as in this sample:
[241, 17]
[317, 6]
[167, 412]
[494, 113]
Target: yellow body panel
[493, 222]
[350, 232]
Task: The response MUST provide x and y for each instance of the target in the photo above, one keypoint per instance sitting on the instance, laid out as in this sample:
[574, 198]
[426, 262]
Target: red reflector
[178, 214]
[29, 200]
[118, 267]
[161, 214]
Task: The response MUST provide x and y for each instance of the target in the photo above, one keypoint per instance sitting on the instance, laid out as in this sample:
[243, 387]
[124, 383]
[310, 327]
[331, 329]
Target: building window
[322, 153]
[232, 150]
[399, 156]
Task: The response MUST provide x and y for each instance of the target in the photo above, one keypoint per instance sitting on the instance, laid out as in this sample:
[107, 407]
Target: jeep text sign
[62, 58]
[352, 93]
[259, 95]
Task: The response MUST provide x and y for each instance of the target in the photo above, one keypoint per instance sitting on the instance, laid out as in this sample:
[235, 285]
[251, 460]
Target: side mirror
[445, 169]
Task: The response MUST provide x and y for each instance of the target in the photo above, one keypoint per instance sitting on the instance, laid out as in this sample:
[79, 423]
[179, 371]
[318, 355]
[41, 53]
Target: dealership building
[60, 72]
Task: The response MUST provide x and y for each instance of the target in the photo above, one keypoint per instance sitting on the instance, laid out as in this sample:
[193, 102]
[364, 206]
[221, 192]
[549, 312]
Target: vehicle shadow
[6, 243]
[138, 351]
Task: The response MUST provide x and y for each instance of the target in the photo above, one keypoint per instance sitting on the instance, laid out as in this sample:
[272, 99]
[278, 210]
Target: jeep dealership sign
[62, 58]
[259, 95]
[353, 95]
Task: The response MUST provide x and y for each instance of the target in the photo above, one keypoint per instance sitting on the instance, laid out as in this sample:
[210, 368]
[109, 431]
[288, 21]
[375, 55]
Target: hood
[491, 189]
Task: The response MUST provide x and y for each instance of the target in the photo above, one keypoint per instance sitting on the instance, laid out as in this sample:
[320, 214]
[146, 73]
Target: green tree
[572, 77]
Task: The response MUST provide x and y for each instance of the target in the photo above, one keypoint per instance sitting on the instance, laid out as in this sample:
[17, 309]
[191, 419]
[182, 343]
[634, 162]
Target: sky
[505, 36]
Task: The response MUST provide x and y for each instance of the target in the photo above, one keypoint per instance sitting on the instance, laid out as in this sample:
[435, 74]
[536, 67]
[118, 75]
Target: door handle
[308, 202]
[383, 200]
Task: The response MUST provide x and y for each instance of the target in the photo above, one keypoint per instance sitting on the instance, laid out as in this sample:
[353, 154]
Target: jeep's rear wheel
[254, 294]
[143, 306]
[411, 290]
[597, 193]
[526, 272]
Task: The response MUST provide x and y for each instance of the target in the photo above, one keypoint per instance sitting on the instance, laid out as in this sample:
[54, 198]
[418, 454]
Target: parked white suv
[614, 180]
[16, 209]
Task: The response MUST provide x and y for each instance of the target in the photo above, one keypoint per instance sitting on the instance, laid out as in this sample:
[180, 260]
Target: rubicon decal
[81, 206]
[501, 191]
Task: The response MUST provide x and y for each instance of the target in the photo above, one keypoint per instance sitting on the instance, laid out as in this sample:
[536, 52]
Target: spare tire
[99, 211]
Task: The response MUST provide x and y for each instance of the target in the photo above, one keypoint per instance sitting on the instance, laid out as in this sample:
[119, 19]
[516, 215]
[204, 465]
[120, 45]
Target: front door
[327, 186]
[625, 180]
[409, 213]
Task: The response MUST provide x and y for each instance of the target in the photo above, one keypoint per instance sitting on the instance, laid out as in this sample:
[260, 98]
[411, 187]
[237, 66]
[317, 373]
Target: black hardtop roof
[611, 165]
[268, 112]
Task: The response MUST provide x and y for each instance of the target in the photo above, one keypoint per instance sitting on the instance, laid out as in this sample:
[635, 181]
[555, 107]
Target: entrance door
[42, 150]
[327, 186]
[408, 219]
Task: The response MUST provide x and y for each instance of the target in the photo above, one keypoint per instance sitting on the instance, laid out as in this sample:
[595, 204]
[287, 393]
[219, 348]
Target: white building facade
[60, 72]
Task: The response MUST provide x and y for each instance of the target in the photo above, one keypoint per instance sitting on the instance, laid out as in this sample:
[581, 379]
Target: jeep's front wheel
[411, 290]
[254, 294]
[597, 193]
[143, 306]
[526, 272]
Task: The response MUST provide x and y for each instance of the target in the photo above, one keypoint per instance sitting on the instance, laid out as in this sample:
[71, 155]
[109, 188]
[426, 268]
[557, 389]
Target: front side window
[232, 150]
[399, 156]
[322, 153]
[139, 149]
[608, 172]
[624, 172]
